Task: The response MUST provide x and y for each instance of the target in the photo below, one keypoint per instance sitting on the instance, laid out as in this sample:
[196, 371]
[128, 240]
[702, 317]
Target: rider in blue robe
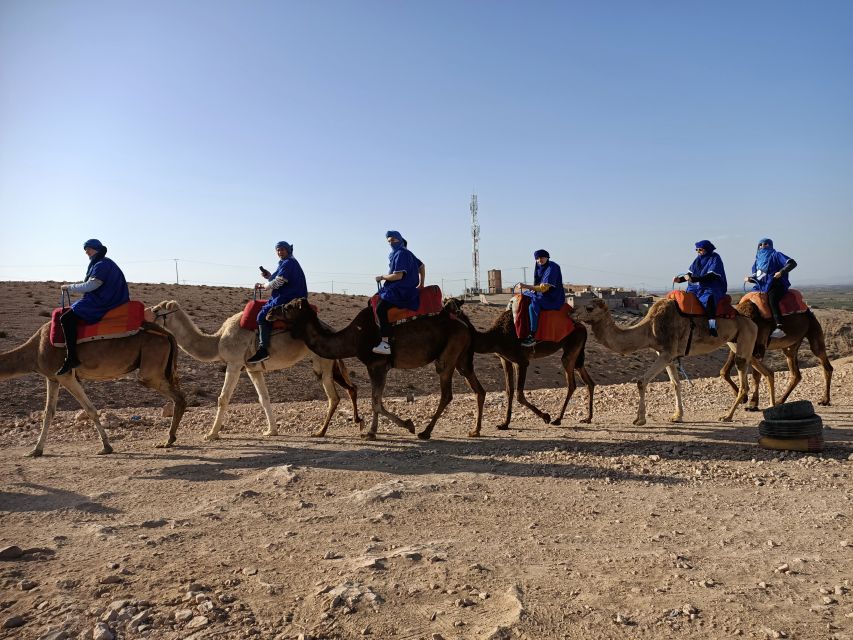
[707, 278]
[286, 283]
[405, 275]
[770, 275]
[103, 288]
[546, 293]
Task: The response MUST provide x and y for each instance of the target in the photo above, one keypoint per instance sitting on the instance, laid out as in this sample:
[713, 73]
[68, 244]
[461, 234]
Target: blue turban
[396, 246]
[707, 245]
[395, 234]
[541, 253]
[281, 244]
[93, 244]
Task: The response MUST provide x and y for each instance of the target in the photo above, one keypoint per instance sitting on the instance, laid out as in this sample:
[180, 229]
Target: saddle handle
[64, 296]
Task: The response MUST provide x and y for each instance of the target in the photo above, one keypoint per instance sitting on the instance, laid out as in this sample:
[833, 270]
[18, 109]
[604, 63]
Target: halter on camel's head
[587, 311]
[160, 314]
[291, 312]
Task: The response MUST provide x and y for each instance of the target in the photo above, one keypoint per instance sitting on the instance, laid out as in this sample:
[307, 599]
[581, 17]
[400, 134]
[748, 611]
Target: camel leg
[672, 372]
[509, 382]
[232, 376]
[260, 384]
[793, 368]
[742, 364]
[590, 388]
[569, 369]
[758, 370]
[171, 391]
[752, 404]
[72, 384]
[522, 399]
[725, 372]
[343, 379]
[378, 375]
[658, 365]
[467, 370]
[818, 347]
[47, 417]
[327, 379]
[445, 378]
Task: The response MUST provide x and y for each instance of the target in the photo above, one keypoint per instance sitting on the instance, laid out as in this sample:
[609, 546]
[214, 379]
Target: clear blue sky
[613, 134]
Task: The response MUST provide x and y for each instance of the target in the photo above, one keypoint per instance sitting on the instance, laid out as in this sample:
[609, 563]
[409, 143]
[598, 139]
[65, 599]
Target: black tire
[790, 411]
[803, 428]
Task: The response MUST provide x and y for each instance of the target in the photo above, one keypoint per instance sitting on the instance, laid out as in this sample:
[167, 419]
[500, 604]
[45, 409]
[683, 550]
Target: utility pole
[475, 237]
[333, 286]
[177, 279]
[464, 288]
[524, 276]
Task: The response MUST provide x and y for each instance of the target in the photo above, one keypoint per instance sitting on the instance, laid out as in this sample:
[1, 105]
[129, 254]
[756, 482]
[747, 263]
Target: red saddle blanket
[430, 305]
[791, 302]
[249, 319]
[554, 325]
[689, 305]
[123, 321]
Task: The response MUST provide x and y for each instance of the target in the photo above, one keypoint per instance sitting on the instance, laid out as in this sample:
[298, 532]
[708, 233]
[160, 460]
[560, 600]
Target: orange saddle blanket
[554, 325]
[123, 321]
[791, 302]
[689, 305]
[430, 305]
[249, 319]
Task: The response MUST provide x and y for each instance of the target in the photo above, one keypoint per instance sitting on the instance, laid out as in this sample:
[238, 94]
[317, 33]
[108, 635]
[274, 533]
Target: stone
[55, 634]
[14, 622]
[102, 632]
[182, 615]
[110, 580]
[12, 552]
[26, 585]
[197, 622]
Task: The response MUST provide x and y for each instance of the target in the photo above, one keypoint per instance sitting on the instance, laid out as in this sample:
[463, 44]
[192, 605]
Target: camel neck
[333, 345]
[22, 360]
[621, 339]
[199, 345]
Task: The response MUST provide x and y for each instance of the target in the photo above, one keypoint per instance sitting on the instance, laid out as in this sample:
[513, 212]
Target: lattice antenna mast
[475, 237]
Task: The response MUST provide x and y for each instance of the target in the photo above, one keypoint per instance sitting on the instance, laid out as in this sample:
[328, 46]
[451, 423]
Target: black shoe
[261, 355]
[713, 332]
[528, 342]
[68, 365]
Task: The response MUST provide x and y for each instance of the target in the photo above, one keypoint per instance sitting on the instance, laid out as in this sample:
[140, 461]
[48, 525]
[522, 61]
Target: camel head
[591, 312]
[454, 306]
[163, 310]
[293, 312]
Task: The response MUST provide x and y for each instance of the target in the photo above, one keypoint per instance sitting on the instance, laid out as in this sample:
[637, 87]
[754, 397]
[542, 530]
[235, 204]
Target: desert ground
[602, 530]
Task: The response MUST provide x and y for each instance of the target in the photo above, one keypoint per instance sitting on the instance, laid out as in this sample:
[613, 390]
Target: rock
[197, 622]
[782, 568]
[102, 632]
[12, 552]
[250, 571]
[14, 622]
[500, 633]
[26, 585]
[154, 524]
[55, 634]
[331, 555]
[182, 615]
[110, 580]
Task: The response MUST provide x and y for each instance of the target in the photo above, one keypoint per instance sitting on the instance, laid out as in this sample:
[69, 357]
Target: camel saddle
[554, 325]
[689, 305]
[249, 319]
[791, 302]
[125, 320]
[430, 305]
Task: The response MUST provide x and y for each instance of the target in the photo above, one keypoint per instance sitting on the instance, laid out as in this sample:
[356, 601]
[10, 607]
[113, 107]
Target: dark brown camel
[501, 340]
[440, 339]
[153, 351]
[796, 327]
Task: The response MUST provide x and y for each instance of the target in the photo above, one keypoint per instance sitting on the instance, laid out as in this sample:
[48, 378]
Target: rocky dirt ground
[604, 530]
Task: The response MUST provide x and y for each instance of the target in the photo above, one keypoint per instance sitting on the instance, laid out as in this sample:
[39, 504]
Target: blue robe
[767, 262]
[716, 289]
[295, 288]
[550, 300]
[403, 293]
[112, 293]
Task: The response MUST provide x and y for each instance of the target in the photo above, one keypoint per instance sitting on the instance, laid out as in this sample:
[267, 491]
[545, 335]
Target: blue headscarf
[282, 244]
[539, 269]
[707, 245]
[764, 255]
[101, 251]
[396, 246]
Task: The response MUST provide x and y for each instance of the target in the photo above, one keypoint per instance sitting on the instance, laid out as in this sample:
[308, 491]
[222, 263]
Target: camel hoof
[106, 450]
[409, 425]
[751, 407]
[725, 419]
[208, 437]
[504, 426]
[586, 421]
[557, 421]
[473, 434]
[676, 419]
[318, 434]
[166, 445]
[639, 422]
[357, 419]
[546, 418]
[35, 453]
[368, 436]
[270, 433]
[424, 435]
[824, 403]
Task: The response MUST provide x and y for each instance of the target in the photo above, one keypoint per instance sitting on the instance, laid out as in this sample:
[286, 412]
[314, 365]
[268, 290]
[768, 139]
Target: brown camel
[439, 339]
[796, 327]
[501, 340]
[153, 351]
[673, 336]
[232, 344]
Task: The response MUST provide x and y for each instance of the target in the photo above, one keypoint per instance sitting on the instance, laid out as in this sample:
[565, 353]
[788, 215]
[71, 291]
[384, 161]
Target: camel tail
[340, 373]
[171, 371]
[24, 359]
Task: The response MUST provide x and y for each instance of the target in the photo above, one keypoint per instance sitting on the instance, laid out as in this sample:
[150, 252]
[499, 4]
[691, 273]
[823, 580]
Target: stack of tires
[792, 426]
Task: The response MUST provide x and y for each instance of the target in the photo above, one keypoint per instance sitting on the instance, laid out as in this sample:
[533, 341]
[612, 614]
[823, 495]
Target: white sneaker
[382, 349]
[777, 333]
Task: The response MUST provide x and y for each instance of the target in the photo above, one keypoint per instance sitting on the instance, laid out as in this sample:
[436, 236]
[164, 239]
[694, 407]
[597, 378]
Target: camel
[796, 326]
[501, 340]
[440, 339]
[673, 336]
[232, 344]
[152, 351]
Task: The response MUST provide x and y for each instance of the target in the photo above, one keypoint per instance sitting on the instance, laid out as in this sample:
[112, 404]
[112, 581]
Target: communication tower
[475, 237]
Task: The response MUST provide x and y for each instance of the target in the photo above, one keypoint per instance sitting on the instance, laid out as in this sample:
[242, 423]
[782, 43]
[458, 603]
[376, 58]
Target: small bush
[44, 314]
